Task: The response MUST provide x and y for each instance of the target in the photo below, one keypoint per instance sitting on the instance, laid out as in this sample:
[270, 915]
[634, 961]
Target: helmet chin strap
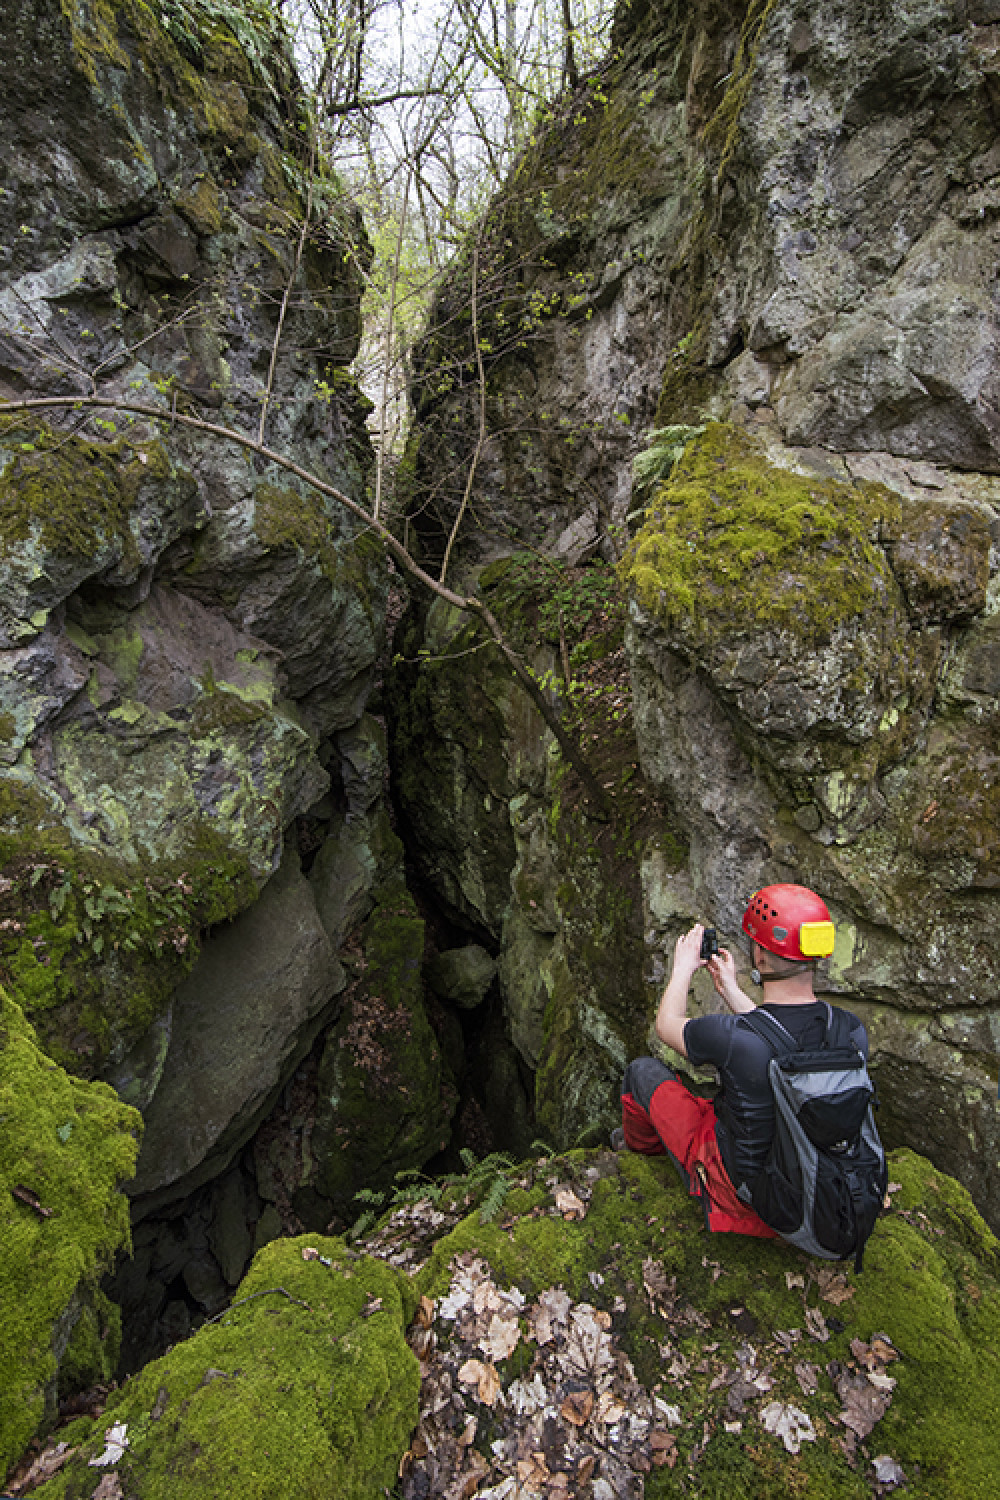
[758, 978]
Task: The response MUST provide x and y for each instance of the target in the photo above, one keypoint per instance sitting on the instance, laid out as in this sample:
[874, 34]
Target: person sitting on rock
[720, 1145]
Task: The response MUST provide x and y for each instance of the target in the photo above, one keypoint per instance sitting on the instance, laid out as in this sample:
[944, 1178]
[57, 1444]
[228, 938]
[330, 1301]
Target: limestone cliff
[756, 257]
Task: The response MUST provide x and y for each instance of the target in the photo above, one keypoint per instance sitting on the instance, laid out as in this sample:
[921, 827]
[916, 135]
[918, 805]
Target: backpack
[825, 1177]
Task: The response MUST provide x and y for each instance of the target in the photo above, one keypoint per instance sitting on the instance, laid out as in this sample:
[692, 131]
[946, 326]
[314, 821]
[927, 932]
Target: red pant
[675, 1121]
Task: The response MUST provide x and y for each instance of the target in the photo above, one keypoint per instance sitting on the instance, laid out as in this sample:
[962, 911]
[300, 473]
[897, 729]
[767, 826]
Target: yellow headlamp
[816, 939]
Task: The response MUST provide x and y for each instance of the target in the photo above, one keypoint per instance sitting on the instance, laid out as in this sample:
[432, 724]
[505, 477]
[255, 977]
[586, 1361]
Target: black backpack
[825, 1177]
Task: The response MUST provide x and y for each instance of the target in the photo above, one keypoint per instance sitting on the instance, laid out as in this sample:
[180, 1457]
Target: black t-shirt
[745, 1104]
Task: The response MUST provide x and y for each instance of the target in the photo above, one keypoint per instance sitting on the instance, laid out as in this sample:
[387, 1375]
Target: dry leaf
[793, 1280]
[109, 1488]
[533, 1472]
[577, 1407]
[484, 1378]
[586, 1467]
[424, 1315]
[569, 1205]
[833, 1286]
[794, 1427]
[863, 1405]
[473, 1476]
[46, 1464]
[808, 1377]
[309, 1253]
[888, 1472]
[816, 1323]
[116, 1444]
[468, 1433]
[502, 1339]
[525, 1397]
[609, 1410]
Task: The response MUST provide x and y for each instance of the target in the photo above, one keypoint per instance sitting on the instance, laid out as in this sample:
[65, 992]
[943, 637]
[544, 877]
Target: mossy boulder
[305, 1387]
[67, 1148]
[576, 1319]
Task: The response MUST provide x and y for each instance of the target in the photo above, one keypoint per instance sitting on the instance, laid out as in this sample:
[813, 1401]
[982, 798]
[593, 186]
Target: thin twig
[271, 1291]
[481, 434]
[286, 295]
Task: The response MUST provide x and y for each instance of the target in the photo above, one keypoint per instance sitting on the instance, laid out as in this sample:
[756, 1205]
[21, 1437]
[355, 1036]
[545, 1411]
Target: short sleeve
[709, 1040]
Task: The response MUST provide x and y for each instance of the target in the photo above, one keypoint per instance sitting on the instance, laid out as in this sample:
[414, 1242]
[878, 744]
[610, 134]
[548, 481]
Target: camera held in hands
[709, 943]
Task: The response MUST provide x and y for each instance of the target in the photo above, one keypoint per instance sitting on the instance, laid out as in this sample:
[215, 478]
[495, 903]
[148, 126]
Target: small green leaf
[65, 1131]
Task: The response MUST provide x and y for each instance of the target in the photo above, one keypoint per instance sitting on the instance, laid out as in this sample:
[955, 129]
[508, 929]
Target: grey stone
[243, 1020]
[229, 1232]
[462, 975]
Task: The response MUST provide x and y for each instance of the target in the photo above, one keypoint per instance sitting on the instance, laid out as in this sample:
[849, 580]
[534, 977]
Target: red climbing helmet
[791, 921]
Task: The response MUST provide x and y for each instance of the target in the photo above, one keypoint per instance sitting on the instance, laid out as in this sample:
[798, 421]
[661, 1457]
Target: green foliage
[485, 1184]
[664, 447]
[547, 600]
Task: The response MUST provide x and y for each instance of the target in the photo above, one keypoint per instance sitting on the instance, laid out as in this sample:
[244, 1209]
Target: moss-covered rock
[67, 1147]
[306, 1387]
[718, 1329]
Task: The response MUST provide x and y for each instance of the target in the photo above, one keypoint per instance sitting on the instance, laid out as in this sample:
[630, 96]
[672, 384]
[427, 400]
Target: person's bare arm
[671, 1018]
[722, 968]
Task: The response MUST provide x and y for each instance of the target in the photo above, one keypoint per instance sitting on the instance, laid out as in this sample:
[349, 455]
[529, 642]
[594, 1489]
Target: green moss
[732, 541]
[202, 53]
[382, 1047]
[305, 1390]
[721, 130]
[71, 1144]
[93, 944]
[64, 492]
[288, 520]
[91, 1355]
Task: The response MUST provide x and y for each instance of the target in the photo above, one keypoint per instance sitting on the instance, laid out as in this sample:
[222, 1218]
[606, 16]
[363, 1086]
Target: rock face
[185, 632]
[191, 793]
[773, 239]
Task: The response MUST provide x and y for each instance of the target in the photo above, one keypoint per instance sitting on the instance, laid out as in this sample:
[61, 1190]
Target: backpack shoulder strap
[769, 1029]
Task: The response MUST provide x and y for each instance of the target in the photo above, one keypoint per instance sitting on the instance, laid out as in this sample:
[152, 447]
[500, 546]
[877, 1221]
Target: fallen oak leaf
[816, 1323]
[483, 1377]
[569, 1205]
[110, 1488]
[833, 1286]
[794, 1427]
[577, 1407]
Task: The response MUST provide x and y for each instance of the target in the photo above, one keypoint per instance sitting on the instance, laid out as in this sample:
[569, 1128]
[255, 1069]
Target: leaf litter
[572, 1419]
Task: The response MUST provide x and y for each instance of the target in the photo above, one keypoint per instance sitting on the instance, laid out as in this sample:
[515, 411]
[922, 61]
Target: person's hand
[687, 952]
[723, 971]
